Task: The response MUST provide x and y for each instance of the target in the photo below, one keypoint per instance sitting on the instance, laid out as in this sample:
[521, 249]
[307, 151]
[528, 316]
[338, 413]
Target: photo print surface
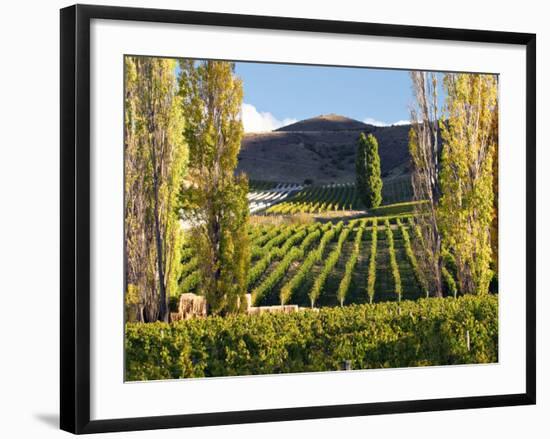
[286, 218]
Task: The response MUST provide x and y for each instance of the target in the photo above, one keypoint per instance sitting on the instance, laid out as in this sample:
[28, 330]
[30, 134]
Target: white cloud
[255, 121]
[379, 123]
[402, 122]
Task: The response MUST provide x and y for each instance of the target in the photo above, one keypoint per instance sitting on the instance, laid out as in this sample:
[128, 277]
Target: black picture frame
[75, 217]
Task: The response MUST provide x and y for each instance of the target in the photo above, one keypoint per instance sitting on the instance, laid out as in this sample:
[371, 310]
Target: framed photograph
[274, 218]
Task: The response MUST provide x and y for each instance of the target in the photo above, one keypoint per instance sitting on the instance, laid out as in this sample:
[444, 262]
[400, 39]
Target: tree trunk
[438, 262]
[218, 271]
[163, 308]
[141, 315]
[425, 156]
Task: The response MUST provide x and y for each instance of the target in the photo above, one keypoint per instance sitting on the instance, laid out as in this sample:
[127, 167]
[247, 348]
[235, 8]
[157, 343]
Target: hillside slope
[321, 149]
[326, 122]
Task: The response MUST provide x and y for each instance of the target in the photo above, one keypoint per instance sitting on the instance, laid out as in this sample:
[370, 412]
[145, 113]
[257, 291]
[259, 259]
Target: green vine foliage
[305, 268]
[421, 333]
[350, 265]
[330, 263]
[393, 262]
[371, 279]
[420, 278]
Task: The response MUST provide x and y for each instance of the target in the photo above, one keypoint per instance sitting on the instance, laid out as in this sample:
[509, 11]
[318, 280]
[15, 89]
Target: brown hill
[326, 122]
[321, 149]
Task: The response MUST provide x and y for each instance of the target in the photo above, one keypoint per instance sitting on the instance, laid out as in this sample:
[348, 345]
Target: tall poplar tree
[367, 171]
[214, 199]
[155, 157]
[466, 209]
[424, 149]
[494, 225]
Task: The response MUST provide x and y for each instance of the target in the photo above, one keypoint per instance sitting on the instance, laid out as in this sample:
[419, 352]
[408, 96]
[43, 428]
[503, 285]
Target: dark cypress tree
[367, 171]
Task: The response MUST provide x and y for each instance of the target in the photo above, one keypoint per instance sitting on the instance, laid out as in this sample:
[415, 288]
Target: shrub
[383, 335]
[189, 266]
[276, 275]
[371, 280]
[331, 261]
[350, 265]
[275, 253]
[393, 262]
[420, 279]
[262, 240]
[449, 281]
[282, 235]
[186, 253]
[314, 256]
[190, 282]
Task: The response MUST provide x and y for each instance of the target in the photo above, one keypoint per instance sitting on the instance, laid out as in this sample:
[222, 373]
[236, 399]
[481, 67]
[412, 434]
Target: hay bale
[175, 316]
[248, 298]
[307, 308]
[274, 309]
[192, 305]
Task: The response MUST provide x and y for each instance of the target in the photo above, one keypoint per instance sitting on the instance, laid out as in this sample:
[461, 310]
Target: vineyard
[319, 199]
[323, 244]
[317, 264]
[362, 279]
[289, 199]
[267, 194]
[421, 333]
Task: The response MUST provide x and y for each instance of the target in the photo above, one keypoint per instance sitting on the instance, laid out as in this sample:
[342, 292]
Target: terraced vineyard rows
[333, 197]
[328, 264]
[319, 199]
[265, 196]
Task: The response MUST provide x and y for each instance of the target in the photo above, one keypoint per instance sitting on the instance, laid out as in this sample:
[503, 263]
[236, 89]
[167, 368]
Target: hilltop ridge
[326, 122]
[320, 149]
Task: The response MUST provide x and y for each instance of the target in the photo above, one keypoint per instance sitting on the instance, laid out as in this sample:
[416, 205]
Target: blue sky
[278, 94]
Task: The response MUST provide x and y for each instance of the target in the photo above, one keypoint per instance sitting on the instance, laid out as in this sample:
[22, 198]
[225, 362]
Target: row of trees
[453, 155]
[182, 136]
[156, 157]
